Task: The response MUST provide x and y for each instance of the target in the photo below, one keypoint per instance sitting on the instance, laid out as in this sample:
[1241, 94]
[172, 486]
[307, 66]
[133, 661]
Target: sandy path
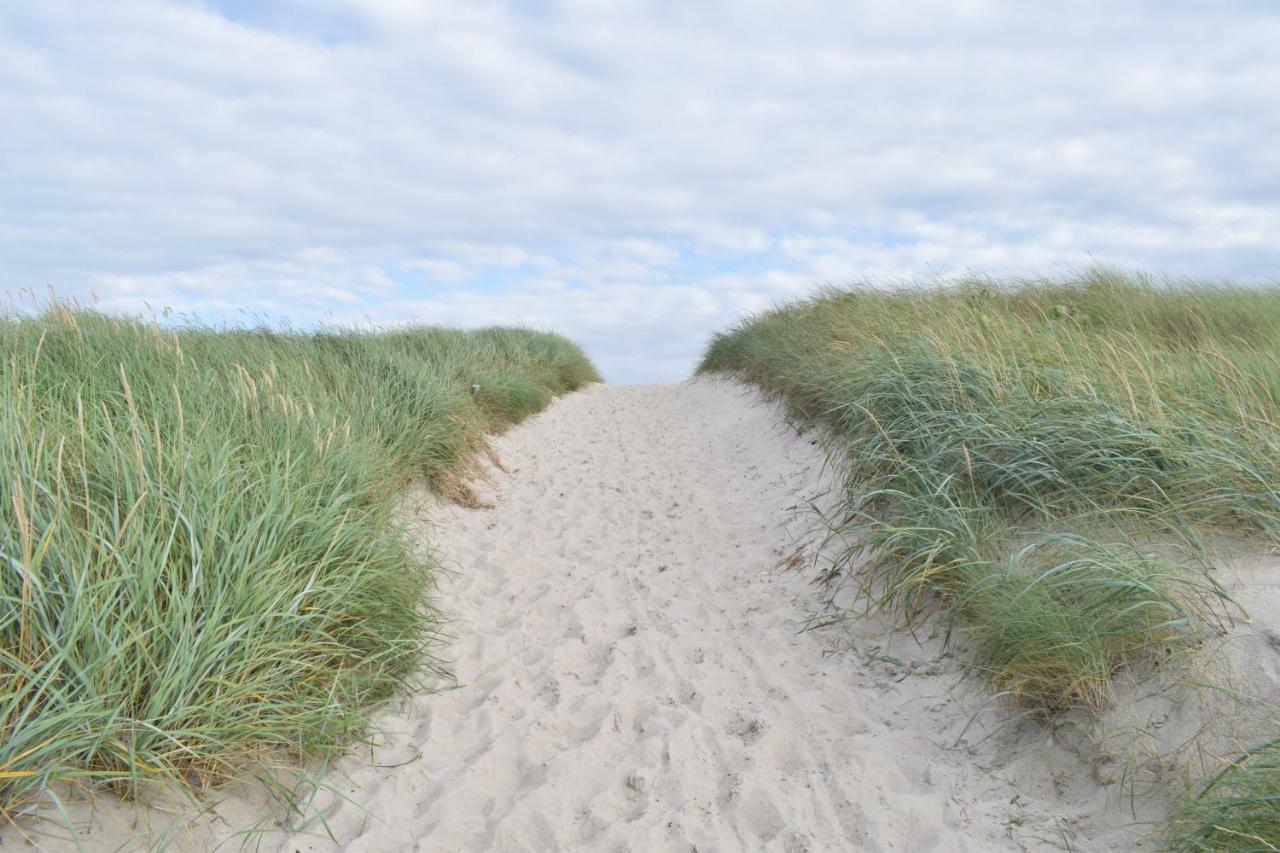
[633, 677]
[632, 673]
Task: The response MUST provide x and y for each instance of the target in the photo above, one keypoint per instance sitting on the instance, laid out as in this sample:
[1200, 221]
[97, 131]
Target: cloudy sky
[635, 174]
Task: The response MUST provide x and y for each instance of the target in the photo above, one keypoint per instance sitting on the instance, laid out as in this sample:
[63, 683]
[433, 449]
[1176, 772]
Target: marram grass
[1238, 810]
[200, 564]
[1040, 460]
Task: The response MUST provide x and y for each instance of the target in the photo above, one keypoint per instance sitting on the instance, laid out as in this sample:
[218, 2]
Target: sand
[633, 674]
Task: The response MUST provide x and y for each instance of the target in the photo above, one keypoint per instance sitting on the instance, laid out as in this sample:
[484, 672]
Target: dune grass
[202, 568]
[1237, 811]
[1040, 461]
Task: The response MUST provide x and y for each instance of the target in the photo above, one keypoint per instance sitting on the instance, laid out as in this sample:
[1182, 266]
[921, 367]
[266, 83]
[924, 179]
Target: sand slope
[632, 674]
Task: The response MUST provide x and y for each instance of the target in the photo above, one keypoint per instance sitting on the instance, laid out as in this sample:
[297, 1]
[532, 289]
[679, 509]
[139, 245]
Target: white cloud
[636, 174]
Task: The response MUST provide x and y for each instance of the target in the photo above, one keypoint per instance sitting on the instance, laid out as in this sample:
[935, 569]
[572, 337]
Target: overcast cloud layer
[633, 174]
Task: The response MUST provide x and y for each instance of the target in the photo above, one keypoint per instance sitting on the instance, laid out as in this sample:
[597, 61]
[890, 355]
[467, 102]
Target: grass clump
[1066, 613]
[996, 436]
[1238, 810]
[200, 564]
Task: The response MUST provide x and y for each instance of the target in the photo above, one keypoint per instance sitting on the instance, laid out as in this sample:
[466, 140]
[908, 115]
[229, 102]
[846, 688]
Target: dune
[633, 668]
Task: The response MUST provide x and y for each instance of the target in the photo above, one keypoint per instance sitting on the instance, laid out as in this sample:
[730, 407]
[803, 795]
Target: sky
[636, 175]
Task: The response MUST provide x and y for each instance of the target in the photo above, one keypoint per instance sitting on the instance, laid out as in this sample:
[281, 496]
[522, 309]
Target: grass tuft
[1238, 811]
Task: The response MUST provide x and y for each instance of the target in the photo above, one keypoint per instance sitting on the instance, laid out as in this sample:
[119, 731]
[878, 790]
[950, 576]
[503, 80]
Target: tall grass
[1238, 810]
[200, 563]
[1039, 460]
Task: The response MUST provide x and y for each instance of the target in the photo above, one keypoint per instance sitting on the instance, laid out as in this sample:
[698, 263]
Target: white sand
[633, 675]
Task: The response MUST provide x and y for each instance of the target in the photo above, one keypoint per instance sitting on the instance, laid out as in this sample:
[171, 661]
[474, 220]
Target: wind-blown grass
[1238, 810]
[1039, 460]
[200, 563]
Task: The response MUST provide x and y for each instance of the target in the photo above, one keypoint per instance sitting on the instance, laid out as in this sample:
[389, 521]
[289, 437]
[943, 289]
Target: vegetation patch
[1039, 461]
[200, 563]
[1238, 810]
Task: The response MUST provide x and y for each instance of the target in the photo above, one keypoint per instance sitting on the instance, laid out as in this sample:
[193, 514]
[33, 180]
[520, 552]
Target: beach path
[627, 630]
[632, 670]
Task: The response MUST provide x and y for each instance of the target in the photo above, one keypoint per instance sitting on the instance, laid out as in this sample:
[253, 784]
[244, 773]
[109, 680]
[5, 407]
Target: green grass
[201, 569]
[1039, 461]
[1238, 809]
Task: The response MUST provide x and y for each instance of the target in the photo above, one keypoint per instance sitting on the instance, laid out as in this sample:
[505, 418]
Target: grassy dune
[200, 566]
[1039, 462]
